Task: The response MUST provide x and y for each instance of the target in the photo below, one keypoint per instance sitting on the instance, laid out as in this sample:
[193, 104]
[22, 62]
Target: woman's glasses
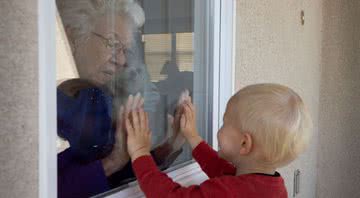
[113, 43]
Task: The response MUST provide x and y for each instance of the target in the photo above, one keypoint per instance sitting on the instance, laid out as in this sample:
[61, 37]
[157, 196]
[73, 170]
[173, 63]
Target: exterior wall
[339, 134]
[273, 46]
[320, 60]
[18, 99]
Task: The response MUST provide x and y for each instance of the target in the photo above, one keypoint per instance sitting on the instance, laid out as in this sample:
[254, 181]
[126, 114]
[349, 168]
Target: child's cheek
[223, 147]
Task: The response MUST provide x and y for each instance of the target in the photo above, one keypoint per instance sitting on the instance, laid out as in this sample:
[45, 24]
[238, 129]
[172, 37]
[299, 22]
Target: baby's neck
[249, 169]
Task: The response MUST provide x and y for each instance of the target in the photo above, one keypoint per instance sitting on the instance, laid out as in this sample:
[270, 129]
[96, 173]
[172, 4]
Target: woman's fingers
[136, 102]
[120, 115]
[141, 104]
[119, 121]
[181, 98]
[187, 96]
[128, 105]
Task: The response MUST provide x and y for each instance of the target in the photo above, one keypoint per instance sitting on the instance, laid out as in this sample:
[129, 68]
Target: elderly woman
[101, 36]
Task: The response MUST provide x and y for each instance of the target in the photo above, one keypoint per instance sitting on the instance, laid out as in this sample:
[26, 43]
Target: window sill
[187, 175]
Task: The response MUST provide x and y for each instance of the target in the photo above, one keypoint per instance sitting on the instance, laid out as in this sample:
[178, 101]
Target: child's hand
[119, 156]
[138, 134]
[188, 124]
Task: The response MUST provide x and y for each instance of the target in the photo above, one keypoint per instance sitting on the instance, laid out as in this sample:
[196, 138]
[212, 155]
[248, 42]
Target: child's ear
[246, 143]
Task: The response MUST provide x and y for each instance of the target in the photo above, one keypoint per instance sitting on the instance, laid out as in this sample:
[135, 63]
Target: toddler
[266, 126]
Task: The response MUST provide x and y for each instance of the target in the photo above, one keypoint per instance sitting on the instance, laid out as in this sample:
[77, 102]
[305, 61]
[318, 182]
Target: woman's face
[103, 53]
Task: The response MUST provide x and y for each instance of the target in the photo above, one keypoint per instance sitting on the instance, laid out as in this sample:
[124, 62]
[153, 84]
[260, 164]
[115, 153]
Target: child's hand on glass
[119, 156]
[138, 134]
[188, 124]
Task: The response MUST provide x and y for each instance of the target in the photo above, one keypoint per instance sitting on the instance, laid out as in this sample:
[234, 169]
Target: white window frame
[218, 37]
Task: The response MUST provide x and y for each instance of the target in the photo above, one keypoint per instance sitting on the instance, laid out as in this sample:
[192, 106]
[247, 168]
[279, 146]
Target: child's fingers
[191, 108]
[148, 134]
[178, 113]
[135, 120]
[147, 121]
[182, 122]
[129, 128]
[142, 120]
[190, 104]
[190, 113]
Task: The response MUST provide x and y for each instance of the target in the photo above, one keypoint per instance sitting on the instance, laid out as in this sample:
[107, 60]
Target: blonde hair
[277, 119]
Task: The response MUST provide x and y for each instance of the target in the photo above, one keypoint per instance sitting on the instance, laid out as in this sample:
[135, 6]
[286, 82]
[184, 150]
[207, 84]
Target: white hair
[278, 120]
[79, 15]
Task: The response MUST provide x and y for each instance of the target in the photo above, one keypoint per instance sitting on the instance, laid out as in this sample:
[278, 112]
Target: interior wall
[18, 99]
[339, 134]
[273, 46]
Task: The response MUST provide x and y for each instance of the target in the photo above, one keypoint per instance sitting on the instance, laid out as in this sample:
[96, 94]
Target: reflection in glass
[104, 55]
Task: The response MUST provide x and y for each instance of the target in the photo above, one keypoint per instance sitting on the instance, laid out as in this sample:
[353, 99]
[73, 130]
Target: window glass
[106, 51]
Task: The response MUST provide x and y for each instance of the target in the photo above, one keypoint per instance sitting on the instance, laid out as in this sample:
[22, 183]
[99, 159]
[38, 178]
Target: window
[176, 48]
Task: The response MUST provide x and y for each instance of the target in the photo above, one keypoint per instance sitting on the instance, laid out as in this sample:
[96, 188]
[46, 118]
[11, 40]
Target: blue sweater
[85, 122]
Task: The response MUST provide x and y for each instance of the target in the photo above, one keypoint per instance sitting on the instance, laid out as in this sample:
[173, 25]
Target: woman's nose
[119, 57]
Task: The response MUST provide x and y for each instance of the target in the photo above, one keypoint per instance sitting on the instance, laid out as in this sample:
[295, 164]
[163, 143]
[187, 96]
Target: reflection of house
[175, 83]
[168, 35]
[164, 48]
[169, 56]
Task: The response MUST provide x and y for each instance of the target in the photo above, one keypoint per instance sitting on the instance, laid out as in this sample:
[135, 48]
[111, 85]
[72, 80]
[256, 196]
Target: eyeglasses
[113, 43]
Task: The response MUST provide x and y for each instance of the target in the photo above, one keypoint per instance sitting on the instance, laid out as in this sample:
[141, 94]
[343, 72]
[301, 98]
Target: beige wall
[18, 99]
[321, 61]
[339, 136]
[273, 46]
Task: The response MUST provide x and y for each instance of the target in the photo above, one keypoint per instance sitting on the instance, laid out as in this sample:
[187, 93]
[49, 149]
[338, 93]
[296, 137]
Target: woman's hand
[119, 155]
[177, 140]
[188, 124]
[138, 134]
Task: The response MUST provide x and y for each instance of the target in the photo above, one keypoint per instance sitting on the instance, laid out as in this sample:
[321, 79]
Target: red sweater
[222, 182]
